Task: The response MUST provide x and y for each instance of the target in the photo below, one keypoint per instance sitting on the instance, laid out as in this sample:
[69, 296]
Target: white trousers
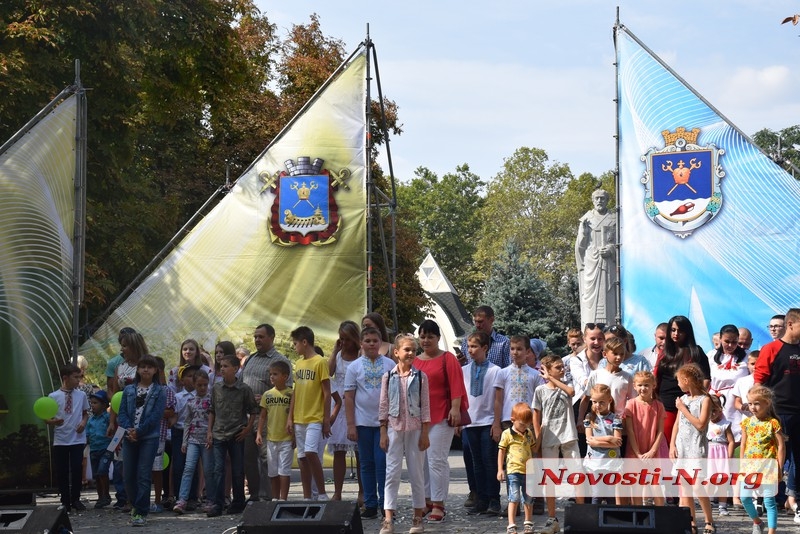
[437, 465]
[404, 444]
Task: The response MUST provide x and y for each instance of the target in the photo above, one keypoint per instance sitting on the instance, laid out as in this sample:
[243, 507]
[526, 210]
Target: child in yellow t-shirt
[274, 414]
[515, 448]
[309, 418]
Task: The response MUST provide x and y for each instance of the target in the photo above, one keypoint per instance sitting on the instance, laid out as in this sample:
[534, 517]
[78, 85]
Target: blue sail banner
[708, 223]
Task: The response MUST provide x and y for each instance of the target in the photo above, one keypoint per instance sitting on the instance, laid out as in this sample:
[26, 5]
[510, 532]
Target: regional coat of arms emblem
[304, 211]
[682, 182]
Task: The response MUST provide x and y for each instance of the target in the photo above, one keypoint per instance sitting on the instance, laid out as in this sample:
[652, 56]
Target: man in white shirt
[660, 338]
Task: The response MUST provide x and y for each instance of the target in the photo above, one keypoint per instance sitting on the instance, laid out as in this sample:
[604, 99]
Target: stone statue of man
[596, 257]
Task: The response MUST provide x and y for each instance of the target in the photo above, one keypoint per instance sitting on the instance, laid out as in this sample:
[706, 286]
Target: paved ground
[106, 521]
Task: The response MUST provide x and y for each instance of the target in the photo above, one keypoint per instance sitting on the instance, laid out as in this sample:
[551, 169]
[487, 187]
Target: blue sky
[477, 80]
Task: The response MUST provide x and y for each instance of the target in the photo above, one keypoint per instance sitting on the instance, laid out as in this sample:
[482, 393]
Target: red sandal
[437, 514]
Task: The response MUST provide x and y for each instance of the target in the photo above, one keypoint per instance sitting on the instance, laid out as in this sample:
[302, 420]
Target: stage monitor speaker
[17, 500]
[39, 519]
[594, 518]
[301, 517]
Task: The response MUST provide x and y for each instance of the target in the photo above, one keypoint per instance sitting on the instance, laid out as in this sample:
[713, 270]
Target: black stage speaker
[301, 517]
[39, 519]
[594, 518]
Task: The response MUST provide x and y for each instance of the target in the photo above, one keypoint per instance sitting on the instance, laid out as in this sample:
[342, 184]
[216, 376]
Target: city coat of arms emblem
[304, 211]
[682, 182]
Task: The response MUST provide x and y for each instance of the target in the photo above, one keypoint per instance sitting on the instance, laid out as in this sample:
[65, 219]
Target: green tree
[412, 301]
[522, 302]
[445, 214]
[308, 59]
[537, 205]
[520, 200]
[783, 147]
[176, 88]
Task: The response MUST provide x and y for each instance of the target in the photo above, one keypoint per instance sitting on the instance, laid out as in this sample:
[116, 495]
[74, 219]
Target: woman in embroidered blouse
[728, 365]
[446, 388]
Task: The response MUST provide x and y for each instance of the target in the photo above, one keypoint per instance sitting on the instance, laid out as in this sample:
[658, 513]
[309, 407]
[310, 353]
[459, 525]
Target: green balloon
[45, 408]
[166, 460]
[116, 399]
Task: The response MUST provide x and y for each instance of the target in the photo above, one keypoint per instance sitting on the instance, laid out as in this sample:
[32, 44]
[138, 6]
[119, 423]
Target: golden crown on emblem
[303, 192]
[680, 133]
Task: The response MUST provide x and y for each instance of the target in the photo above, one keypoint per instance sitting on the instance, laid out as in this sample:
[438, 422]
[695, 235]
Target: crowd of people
[240, 417]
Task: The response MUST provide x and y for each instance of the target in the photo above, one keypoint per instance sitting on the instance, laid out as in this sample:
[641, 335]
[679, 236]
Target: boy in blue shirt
[99, 455]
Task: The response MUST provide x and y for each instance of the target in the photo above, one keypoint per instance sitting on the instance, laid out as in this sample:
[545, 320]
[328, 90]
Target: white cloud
[752, 86]
[474, 81]
[494, 108]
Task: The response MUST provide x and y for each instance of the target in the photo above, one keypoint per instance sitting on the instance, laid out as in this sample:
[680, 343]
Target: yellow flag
[286, 246]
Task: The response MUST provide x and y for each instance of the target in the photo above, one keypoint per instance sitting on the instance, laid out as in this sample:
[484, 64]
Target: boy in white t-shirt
[612, 375]
[362, 397]
[69, 438]
[554, 422]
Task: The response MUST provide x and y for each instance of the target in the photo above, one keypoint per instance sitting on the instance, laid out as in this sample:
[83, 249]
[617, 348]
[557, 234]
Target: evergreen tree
[522, 303]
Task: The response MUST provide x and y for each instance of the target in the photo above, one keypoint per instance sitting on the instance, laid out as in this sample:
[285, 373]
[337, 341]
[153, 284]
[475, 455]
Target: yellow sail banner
[286, 246]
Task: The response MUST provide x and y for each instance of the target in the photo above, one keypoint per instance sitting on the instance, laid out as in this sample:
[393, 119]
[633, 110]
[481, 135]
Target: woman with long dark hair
[680, 348]
[190, 354]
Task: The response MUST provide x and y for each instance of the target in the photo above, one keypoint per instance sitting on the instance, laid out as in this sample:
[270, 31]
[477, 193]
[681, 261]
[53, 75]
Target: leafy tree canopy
[178, 91]
[445, 214]
[520, 200]
[783, 147]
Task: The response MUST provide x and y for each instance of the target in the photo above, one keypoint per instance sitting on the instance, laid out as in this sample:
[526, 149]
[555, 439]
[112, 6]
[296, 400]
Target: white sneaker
[797, 515]
[551, 527]
[758, 528]
[322, 497]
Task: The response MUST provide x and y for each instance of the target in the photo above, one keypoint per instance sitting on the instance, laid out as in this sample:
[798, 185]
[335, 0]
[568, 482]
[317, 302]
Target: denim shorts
[516, 489]
[100, 460]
